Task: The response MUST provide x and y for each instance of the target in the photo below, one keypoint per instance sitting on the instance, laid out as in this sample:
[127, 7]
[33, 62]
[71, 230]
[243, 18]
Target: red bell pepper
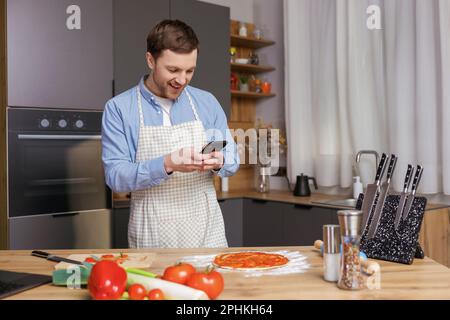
[107, 281]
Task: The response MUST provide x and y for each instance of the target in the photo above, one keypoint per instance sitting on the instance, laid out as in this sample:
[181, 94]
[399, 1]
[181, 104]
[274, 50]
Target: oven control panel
[49, 120]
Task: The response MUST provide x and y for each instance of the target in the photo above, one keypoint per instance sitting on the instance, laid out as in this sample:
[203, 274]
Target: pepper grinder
[350, 276]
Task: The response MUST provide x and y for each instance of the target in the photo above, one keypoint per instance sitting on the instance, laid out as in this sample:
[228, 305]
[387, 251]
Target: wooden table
[424, 279]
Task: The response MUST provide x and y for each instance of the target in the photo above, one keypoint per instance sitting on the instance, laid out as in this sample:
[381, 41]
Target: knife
[50, 257]
[411, 196]
[371, 192]
[382, 197]
[403, 196]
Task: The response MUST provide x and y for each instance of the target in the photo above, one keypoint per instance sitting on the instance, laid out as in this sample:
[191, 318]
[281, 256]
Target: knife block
[388, 244]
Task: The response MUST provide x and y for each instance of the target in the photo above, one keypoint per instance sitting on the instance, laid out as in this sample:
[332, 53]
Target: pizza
[250, 260]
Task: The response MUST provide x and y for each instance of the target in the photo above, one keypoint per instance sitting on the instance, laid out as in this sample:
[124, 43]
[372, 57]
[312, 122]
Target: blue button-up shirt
[120, 134]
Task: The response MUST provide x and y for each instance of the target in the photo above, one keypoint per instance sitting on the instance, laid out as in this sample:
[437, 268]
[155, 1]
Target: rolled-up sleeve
[122, 173]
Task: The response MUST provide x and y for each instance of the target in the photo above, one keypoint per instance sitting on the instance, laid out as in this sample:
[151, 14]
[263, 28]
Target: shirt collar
[149, 96]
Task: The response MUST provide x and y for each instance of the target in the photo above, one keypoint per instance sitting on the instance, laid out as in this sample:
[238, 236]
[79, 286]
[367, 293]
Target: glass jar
[350, 277]
[242, 29]
[263, 179]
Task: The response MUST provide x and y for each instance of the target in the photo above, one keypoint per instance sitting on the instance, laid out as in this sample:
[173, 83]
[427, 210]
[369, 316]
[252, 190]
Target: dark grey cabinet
[87, 230]
[211, 23]
[134, 20]
[269, 223]
[121, 216]
[59, 53]
[232, 211]
[263, 223]
[303, 224]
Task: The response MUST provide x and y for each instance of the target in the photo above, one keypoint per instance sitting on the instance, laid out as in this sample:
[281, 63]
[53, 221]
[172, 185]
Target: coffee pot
[302, 186]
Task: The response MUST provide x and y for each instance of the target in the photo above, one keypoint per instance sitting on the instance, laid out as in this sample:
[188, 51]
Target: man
[152, 137]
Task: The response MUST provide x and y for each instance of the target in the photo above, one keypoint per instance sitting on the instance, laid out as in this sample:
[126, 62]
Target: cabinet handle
[259, 201]
[65, 214]
[302, 206]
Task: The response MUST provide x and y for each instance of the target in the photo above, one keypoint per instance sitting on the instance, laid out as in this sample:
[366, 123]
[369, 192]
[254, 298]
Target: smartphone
[214, 146]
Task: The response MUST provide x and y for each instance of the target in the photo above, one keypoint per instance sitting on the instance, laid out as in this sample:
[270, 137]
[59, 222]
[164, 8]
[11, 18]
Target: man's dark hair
[174, 35]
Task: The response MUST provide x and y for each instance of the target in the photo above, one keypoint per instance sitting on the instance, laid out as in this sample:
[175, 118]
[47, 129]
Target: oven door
[55, 173]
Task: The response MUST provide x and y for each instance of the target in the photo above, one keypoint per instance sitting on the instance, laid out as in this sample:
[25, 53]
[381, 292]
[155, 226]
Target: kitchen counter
[279, 196]
[424, 279]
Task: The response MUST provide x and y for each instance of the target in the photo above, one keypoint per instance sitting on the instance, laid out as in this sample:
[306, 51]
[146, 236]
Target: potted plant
[243, 83]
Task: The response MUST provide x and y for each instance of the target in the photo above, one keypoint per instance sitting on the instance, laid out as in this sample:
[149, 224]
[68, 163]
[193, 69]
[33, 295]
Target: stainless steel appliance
[56, 187]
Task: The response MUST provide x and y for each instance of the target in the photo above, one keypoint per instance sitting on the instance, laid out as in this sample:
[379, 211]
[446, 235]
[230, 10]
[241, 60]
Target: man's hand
[214, 163]
[185, 160]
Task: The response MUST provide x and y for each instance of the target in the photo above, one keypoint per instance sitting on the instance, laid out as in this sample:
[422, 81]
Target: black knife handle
[407, 178]
[40, 254]
[391, 167]
[381, 167]
[416, 180]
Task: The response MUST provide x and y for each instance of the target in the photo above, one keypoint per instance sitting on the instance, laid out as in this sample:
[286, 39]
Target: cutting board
[134, 260]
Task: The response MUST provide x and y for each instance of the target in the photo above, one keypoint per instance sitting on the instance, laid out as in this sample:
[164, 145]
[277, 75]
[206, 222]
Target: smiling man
[152, 137]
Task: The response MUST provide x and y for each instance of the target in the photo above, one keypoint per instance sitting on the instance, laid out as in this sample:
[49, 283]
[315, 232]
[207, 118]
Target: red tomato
[155, 294]
[107, 280]
[178, 273]
[210, 282]
[137, 292]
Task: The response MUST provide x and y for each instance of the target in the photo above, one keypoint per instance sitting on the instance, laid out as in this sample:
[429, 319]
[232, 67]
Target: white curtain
[350, 88]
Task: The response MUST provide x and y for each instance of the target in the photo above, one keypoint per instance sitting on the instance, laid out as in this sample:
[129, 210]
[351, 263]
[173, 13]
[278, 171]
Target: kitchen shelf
[251, 95]
[239, 67]
[238, 41]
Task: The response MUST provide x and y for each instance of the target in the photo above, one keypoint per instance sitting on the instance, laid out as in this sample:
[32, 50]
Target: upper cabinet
[59, 53]
[211, 23]
[77, 54]
[132, 23]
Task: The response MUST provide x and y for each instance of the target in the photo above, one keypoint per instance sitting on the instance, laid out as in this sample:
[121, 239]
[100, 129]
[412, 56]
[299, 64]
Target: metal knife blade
[50, 257]
[371, 192]
[412, 195]
[403, 196]
[382, 197]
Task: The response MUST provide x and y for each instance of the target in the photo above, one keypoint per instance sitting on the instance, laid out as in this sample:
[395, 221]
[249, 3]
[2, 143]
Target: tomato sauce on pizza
[250, 260]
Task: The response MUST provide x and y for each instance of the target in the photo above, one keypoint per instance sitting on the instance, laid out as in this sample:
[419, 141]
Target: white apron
[181, 212]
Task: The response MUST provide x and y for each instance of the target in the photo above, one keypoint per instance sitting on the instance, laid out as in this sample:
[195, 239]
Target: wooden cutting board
[134, 260]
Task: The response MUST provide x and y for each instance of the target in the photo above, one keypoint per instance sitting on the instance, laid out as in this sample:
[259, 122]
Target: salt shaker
[331, 252]
[350, 276]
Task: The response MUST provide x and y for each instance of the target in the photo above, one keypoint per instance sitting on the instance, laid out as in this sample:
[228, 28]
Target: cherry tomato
[107, 257]
[179, 273]
[155, 294]
[90, 260]
[137, 292]
[210, 282]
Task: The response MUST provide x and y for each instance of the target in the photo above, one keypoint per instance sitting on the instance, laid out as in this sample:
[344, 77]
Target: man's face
[172, 72]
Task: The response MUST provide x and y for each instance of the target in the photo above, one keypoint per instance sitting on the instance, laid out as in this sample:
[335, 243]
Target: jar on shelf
[233, 51]
[234, 82]
[266, 87]
[242, 29]
[258, 86]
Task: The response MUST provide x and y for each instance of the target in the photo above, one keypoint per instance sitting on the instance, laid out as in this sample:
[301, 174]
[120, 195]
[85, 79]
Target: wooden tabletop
[424, 279]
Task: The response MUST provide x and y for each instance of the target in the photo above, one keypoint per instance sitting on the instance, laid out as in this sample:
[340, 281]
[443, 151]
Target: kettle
[302, 186]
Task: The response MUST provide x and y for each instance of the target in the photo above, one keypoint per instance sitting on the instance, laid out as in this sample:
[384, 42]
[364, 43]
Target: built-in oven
[57, 196]
[54, 162]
